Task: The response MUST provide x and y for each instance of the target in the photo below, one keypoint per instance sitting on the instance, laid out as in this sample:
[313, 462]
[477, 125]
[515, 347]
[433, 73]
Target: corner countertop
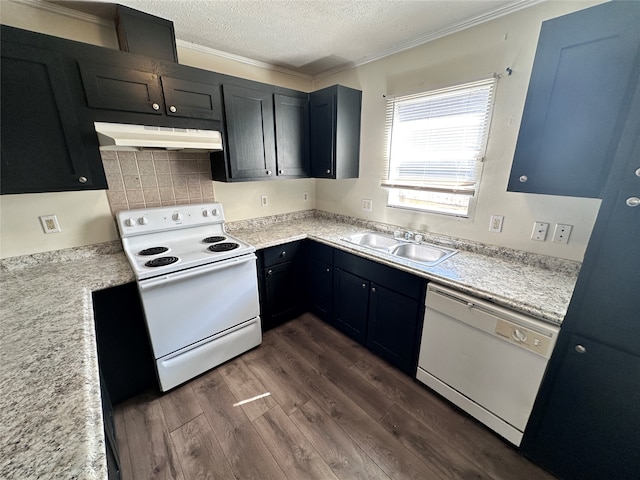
[50, 407]
[50, 404]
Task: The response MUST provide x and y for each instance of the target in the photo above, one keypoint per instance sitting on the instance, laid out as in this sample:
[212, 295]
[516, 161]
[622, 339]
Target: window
[436, 143]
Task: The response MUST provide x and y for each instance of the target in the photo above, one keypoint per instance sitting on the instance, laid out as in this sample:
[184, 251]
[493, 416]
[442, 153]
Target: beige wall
[473, 54]
[468, 55]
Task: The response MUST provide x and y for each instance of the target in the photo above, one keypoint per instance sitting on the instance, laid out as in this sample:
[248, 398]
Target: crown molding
[455, 28]
[238, 58]
[66, 12]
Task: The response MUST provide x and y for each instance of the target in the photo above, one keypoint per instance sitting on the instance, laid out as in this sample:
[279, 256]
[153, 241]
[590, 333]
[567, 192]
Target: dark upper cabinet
[250, 152]
[292, 135]
[42, 144]
[592, 415]
[144, 34]
[579, 87]
[186, 98]
[111, 87]
[335, 132]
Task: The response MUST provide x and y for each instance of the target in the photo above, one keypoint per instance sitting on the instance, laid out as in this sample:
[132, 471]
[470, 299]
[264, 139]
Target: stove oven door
[201, 317]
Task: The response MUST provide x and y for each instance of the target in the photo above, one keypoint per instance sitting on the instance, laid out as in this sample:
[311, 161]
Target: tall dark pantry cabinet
[586, 420]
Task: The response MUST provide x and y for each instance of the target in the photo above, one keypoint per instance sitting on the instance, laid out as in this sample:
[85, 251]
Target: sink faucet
[408, 236]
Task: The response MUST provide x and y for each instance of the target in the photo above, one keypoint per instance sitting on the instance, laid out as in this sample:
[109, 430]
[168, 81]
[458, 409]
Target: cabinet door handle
[173, 109]
[373, 289]
[281, 172]
[283, 253]
[269, 272]
[82, 179]
[633, 201]
[328, 170]
[328, 270]
[637, 172]
[580, 349]
[155, 106]
[523, 178]
[364, 285]
[268, 172]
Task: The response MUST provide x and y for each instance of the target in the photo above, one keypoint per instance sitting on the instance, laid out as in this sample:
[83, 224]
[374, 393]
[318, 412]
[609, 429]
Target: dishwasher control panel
[526, 338]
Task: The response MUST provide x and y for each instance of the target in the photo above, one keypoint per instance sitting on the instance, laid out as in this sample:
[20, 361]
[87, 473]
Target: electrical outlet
[367, 204]
[539, 231]
[305, 196]
[561, 233]
[495, 224]
[50, 223]
[264, 201]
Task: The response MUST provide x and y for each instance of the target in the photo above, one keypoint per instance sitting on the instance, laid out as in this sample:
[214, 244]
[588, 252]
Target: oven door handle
[194, 272]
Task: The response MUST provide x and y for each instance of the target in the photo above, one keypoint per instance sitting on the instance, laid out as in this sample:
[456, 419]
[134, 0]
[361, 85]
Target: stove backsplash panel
[155, 178]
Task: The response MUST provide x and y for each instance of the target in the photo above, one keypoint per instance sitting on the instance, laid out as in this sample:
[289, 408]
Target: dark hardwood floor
[334, 411]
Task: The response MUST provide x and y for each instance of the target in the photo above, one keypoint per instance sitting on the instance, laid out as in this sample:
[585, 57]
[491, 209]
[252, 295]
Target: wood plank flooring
[335, 411]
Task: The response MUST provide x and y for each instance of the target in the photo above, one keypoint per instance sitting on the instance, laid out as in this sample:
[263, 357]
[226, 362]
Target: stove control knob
[214, 212]
[205, 213]
[143, 220]
[177, 216]
[130, 222]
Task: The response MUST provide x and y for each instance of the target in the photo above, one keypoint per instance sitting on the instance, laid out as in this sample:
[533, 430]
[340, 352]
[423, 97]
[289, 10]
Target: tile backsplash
[154, 178]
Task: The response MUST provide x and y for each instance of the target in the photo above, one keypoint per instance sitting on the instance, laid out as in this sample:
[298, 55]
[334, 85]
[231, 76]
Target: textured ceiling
[316, 36]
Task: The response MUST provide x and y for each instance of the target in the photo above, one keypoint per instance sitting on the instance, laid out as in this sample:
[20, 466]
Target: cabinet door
[591, 419]
[393, 325]
[250, 148]
[292, 136]
[284, 290]
[323, 128]
[114, 88]
[321, 289]
[577, 93]
[42, 147]
[185, 98]
[350, 304]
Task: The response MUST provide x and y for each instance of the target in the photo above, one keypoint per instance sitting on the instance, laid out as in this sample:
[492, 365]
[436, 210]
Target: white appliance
[124, 136]
[198, 286]
[487, 360]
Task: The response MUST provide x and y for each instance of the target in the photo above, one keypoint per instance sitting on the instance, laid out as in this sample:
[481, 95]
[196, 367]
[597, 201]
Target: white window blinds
[437, 139]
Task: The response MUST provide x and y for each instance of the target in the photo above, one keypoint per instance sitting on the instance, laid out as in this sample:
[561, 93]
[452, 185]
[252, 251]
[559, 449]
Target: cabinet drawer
[321, 252]
[397, 280]
[281, 253]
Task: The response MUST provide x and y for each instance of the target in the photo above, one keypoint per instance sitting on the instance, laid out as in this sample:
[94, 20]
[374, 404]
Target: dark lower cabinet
[351, 304]
[320, 270]
[282, 283]
[124, 352]
[42, 145]
[379, 306]
[590, 427]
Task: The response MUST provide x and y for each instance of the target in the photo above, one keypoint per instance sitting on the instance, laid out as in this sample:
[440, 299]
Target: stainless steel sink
[424, 253]
[377, 241]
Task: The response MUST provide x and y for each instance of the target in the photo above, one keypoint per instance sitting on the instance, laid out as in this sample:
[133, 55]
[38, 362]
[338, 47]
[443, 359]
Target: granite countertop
[50, 404]
[50, 408]
[532, 284]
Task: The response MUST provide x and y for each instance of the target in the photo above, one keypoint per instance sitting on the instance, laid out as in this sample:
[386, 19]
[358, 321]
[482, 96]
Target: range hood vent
[121, 136]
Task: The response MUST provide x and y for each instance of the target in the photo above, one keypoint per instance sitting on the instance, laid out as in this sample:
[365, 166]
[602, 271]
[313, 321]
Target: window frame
[447, 187]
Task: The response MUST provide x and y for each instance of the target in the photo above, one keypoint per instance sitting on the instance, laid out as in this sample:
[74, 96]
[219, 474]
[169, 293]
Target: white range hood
[122, 136]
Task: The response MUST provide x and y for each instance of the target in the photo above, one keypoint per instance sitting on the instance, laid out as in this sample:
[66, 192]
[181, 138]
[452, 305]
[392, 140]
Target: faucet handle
[418, 239]
[397, 234]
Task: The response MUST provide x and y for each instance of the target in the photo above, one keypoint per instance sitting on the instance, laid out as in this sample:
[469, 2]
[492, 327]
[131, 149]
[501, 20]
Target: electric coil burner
[216, 239]
[161, 262]
[182, 294]
[153, 251]
[223, 247]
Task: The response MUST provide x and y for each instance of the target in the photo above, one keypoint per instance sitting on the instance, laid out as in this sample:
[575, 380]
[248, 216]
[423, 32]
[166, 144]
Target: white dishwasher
[487, 360]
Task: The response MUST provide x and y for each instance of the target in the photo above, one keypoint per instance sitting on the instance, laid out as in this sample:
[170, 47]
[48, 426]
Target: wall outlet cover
[264, 201]
[367, 204]
[562, 233]
[50, 223]
[495, 224]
